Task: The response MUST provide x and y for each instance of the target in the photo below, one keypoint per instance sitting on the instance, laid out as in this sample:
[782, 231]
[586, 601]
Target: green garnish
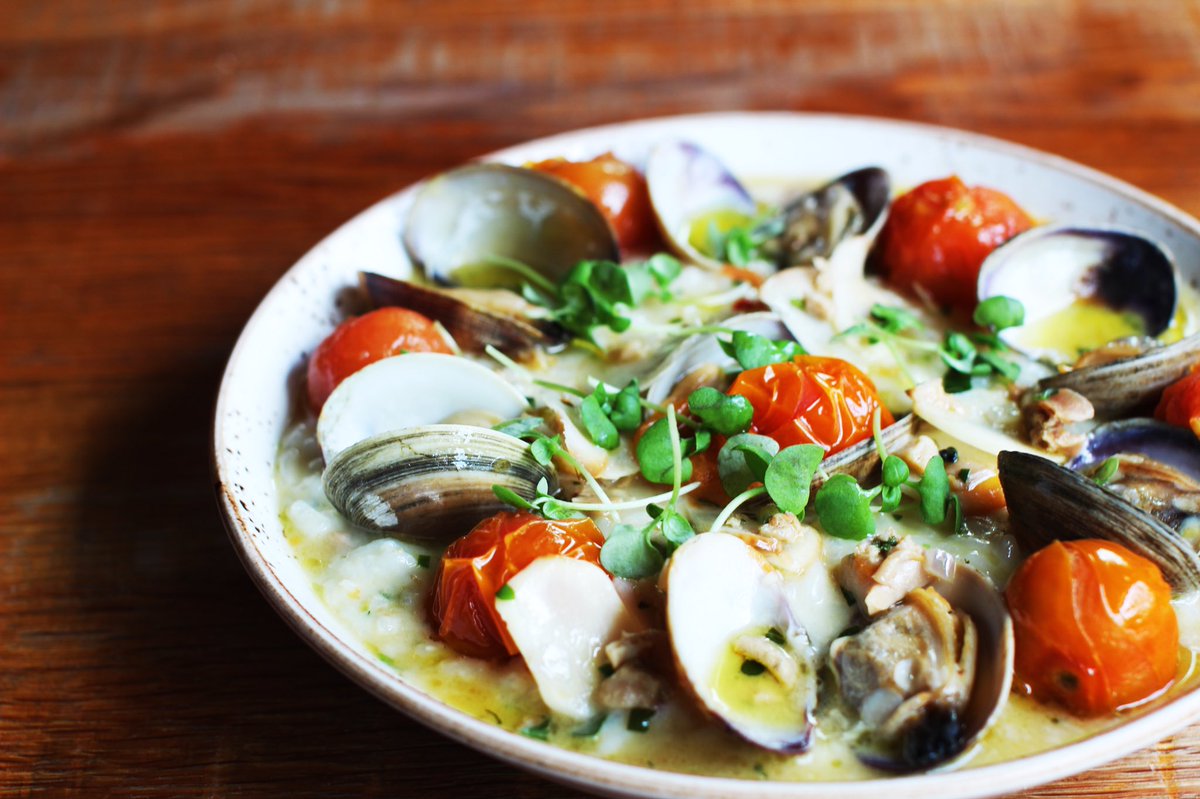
[885, 545]
[506, 592]
[999, 313]
[520, 427]
[789, 477]
[540, 732]
[845, 509]
[726, 414]
[964, 474]
[1107, 471]
[934, 488]
[753, 351]
[752, 668]
[775, 636]
[743, 460]
[590, 727]
[423, 561]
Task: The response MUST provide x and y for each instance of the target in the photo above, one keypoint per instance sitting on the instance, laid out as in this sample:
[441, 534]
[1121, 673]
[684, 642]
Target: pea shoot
[753, 351]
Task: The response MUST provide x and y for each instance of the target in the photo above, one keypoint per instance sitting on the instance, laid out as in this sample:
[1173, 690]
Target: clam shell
[814, 223]
[432, 482]
[861, 459]
[1115, 389]
[472, 326]
[1047, 502]
[462, 217]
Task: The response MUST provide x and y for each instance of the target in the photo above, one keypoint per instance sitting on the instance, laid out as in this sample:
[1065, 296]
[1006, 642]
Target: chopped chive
[506, 592]
[964, 474]
[1107, 471]
[540, 732]
[423, 561]
[776, 637]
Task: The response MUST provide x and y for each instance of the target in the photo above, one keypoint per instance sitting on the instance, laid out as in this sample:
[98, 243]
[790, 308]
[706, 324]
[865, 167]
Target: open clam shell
[409, 390]
[431, 482]
[473, 326]
[1049, 269]
[1117, 388]
[725, 603]
[461, 219]
[1047, 502]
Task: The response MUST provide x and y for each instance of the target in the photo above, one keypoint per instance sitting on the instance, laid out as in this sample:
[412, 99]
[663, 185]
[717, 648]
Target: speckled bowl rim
[618, 779]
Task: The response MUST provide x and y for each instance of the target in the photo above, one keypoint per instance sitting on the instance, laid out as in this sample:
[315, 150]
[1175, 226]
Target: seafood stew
[625, 441]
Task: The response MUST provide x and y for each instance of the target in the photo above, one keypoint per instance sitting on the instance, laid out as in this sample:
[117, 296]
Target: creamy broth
[378, 586]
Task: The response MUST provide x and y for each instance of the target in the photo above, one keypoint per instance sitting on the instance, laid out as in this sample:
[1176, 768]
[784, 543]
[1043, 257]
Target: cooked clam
[737, 648]
[1081, 288]
[1047, 502]
[691, 189]
[505, 324]
[462, 220]
[431, 482]
[1119, 387]
[1157, 468]
[409, 390]
[929, 676]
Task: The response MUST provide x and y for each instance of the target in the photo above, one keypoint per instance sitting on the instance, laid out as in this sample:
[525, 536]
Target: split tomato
[364, 340]
[937, 235]
[1180, 403]
[480, 563]
[1095, 630]
[618, 190]
[811, 400]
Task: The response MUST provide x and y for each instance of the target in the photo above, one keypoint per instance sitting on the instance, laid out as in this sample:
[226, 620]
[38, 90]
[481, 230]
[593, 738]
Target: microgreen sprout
[753, 351]
[1107, 471]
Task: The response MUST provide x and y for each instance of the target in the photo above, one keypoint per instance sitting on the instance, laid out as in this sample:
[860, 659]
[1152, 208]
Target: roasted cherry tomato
[1095, 630]
[479, 564]
[1180, 403]
[366, 339]
[618, 190]
[937, 235]
[811, 400]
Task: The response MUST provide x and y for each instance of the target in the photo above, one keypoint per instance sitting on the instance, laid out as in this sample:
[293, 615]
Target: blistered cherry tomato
[480, 563]
[811, 400]
[937, 235]
[364, 340]
[618, 190]
[1095, 630]
[1180, 402]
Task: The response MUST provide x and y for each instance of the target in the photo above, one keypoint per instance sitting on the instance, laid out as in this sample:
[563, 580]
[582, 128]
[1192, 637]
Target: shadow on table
[197, 681]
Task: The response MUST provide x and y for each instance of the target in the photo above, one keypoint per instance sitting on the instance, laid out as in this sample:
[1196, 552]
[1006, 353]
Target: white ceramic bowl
[256, 391]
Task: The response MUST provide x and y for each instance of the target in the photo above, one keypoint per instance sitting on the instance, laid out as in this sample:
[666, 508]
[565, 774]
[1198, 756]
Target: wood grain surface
[162, 162]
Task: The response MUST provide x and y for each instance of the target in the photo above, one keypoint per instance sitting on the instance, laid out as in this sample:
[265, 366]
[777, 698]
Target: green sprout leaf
[999, 313]
[753, 351]
[1107, 471]
[895, 320]
[934, 489]
[626, 413]
[522, 427]
[789, 477]
[722, 413]
[599, 427]
[628, 553]
[895, 471]
[510, 497]
[656, 458]
[743, 461]
[845, 509]
[506, 593]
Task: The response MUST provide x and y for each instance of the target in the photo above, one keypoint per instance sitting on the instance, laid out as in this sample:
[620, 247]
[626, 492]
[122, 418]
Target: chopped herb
[521, 427]
[506, 592]
[775, 637]
[752, 668]
[999, 313]
[423, 561]
[639, 719]
[606, 670]
[539, 732]
[387, 661]
[1107, 471]
[885, 545]
[949, 455]
[964, 474]
[495, 716]
[895, 320]
[589, 728]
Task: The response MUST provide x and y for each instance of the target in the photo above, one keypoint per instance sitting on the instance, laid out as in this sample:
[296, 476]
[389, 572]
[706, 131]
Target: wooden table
[162, 163]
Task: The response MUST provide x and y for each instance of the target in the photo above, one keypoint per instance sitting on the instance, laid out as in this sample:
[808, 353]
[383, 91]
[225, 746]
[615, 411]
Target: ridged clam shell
[473, 327]
[1047, 502]
[1117, 388]
[461, 217]
[861, 459]
[431, 482]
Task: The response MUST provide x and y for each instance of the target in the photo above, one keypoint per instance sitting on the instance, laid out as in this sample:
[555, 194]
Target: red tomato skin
[937, 235]
[476, 566]
[1180, 402]
[363, 340]
[812, 400]
[618, 190]
[1094, 627]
